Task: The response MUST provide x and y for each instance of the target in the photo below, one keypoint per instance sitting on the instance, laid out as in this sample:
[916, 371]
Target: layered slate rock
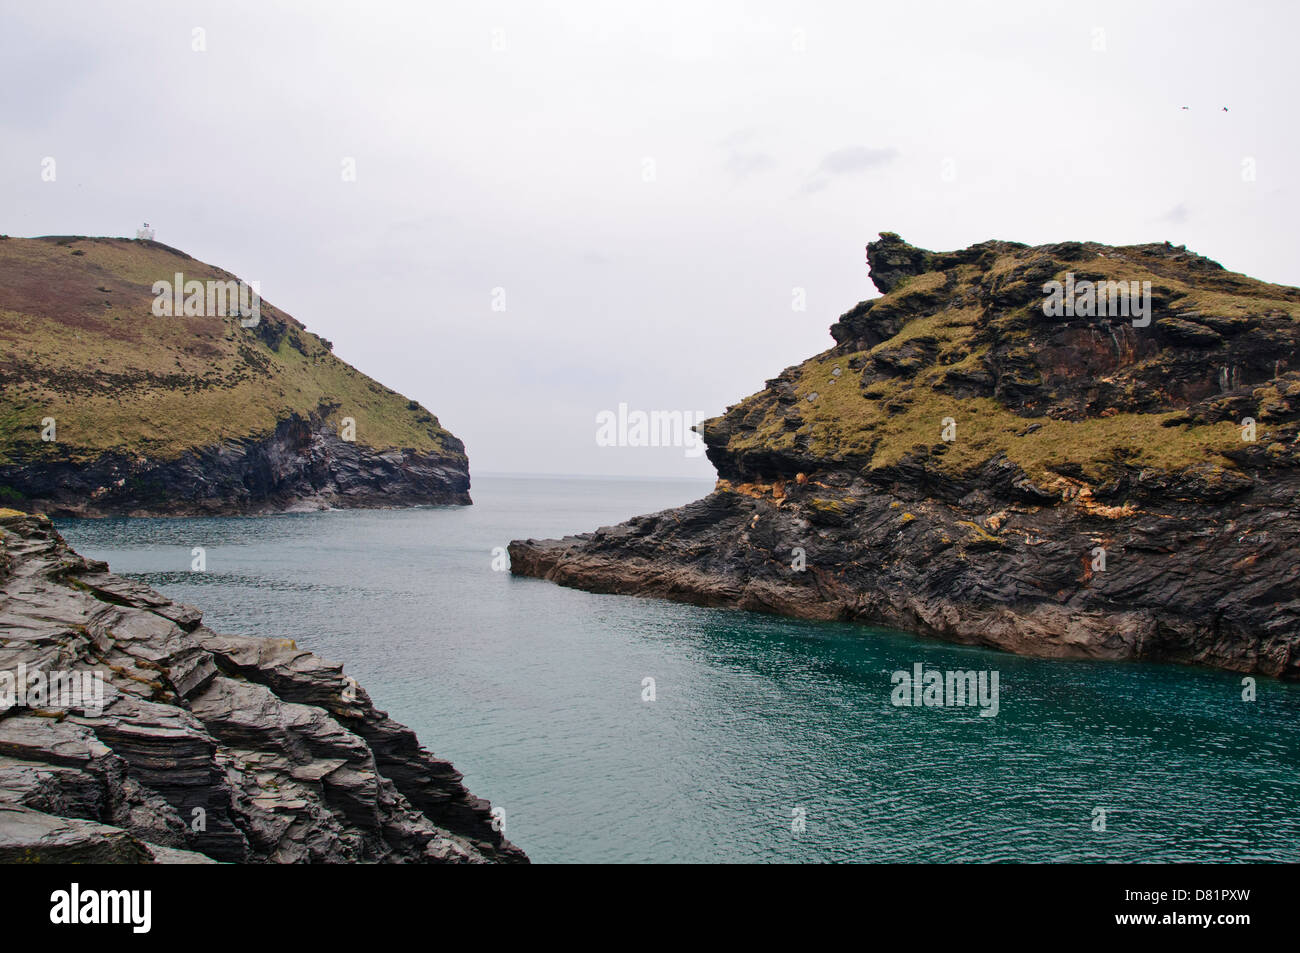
[963, 465]
[301, 465]
[107, 407]
[208, 746]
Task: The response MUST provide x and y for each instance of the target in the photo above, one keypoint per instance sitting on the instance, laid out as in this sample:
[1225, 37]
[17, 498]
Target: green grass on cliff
[911, 414]
[890, 417]
[79, 343]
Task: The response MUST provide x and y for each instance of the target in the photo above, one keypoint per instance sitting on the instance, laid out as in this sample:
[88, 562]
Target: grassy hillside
[79, 343]
[966, 338]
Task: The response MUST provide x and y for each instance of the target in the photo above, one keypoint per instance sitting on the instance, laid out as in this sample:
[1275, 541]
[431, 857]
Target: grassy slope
[896, 415]
[79, 342]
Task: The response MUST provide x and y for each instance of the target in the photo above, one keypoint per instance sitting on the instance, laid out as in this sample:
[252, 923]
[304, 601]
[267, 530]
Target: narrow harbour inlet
[768, 739]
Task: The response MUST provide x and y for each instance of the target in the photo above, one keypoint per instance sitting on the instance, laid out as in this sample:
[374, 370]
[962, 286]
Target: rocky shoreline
[1098, 497]
[302, 465]
[200, 746]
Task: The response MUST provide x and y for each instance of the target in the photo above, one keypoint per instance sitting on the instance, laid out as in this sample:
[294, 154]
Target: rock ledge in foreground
[208, 746]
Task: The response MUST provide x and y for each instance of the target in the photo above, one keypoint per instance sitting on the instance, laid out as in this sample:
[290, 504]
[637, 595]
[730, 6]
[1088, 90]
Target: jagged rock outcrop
[108, 407]
[964, 465]
[202, 746]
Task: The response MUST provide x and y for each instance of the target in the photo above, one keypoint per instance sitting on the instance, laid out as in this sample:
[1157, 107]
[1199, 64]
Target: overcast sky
[649, 185]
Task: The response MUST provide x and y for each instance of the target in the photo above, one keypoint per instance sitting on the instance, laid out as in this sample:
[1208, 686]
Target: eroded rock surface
[303, 465]
[205, 746]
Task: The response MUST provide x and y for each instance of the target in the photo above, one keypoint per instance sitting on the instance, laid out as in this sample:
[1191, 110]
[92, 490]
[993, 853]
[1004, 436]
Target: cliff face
[962, 464]
[198, 746]
[107, 407]
[301, 465]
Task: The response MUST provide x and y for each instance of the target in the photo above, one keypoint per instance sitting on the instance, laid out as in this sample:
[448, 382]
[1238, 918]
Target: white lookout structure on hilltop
[145, 231]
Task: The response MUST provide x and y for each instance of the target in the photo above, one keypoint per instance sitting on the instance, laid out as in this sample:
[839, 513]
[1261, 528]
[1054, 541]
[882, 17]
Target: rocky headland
[110, 408]
[964, 464]
[198, 746]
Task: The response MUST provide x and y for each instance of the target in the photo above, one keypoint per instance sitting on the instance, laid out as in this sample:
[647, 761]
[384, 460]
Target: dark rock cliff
[203, 746]
[302, 465]
[963, 465]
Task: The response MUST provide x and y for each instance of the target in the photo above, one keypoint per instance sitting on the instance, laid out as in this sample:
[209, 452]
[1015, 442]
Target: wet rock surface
[1087, 507]
[203, 746]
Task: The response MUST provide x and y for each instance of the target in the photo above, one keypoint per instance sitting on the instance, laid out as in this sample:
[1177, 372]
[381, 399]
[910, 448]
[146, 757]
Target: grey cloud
[743, 159]
[1176, 215]
[854, 159]
[850, 160]
[740, 165]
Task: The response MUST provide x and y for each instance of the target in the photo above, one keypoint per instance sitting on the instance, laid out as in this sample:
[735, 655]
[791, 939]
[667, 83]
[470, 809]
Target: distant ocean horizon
[766, 739]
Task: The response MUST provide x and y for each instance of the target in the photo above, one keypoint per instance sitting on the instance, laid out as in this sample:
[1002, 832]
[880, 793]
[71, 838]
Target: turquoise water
[535, 692]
